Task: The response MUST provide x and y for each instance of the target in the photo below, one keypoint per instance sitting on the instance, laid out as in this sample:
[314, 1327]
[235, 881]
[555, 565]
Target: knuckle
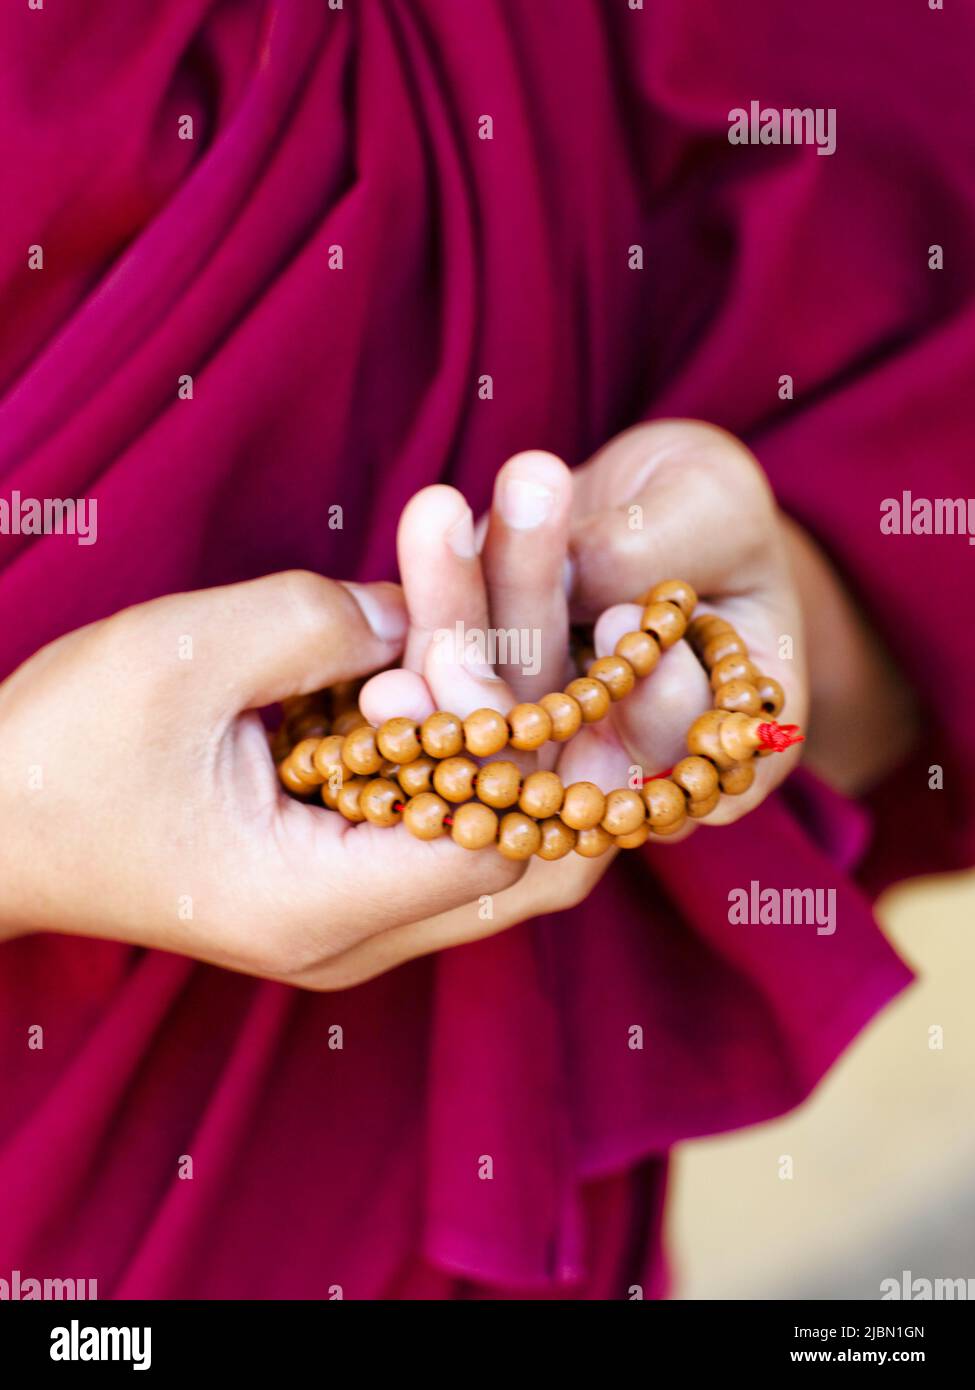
[728, 460]
[309, 598]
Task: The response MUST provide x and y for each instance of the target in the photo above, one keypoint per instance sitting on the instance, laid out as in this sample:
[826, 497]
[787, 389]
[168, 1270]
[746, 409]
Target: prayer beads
[444, 776]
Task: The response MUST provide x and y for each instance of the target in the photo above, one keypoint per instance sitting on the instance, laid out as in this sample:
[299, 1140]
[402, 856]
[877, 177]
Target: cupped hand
[488, 629]
[138, 797]
[139, 801]
[681, 499]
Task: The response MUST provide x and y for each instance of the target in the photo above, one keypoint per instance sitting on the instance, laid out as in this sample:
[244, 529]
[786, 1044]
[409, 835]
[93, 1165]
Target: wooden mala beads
[447, 776]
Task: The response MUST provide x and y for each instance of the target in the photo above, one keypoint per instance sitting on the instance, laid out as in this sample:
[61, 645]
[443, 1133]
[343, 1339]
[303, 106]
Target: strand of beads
[434, 778]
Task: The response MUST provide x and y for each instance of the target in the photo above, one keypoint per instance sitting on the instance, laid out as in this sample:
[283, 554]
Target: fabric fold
[497, 1118]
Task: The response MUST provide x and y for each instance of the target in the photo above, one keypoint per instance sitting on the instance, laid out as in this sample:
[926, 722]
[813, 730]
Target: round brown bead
[697, 777]
[592, 696]
[518, 836]
[541, 795]
[454, 778]
[703, 807]
[423, 816]
[530, 726]
[498, 784]
[583, 805]
[771, 695]
[347, 800]
[738, 695]
[733, 668]
[416, 777]
[485, 733]
[328, 754]
[475, 826]
[704, 627]
[738, 736]
[397, 740]
[558, 839]
[672, 827]
[360, 753]
[616, 674]
[665, 803]
[302, 760]
[593, 842]
[348, 720]
[665, 621]
[735, 780]
[625, 812]
[635, 839]
[442, 735]
[703, 740]
[292, 779]
[564, 712]
[724, 644]
[378, 800]
[640, 649]
[676, 591]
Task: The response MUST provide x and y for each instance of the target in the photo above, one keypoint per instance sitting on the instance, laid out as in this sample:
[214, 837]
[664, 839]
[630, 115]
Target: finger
[340, 883]
[396, 694]
[440, 569]
[597, 754]
[251, 644]
[545, 888]
[653, 720]
[449, 638]
[525, 559]
[651, 533]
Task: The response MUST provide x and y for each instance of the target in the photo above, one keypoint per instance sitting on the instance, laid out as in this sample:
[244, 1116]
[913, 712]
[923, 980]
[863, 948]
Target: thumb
[285, 634]
[676, 497]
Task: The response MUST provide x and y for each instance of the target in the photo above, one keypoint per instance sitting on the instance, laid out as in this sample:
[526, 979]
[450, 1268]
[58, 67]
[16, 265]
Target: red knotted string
[779, 737]
[775, 737]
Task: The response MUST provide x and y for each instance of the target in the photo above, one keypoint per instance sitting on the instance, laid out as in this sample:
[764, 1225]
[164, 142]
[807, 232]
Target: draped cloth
[337, 259]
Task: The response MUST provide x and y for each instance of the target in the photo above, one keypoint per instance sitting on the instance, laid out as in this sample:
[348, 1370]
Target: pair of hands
[138, 798]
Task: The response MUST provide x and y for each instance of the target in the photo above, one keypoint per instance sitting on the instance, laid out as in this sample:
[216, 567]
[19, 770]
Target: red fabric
[318, 387]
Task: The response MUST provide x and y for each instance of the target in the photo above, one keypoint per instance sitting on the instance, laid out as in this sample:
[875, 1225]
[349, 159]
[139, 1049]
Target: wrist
[863, 716]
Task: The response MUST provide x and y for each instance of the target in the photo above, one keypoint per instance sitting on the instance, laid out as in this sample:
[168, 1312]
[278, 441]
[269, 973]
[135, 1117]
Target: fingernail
[460, 536]
[383, 610]
[525, 503]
